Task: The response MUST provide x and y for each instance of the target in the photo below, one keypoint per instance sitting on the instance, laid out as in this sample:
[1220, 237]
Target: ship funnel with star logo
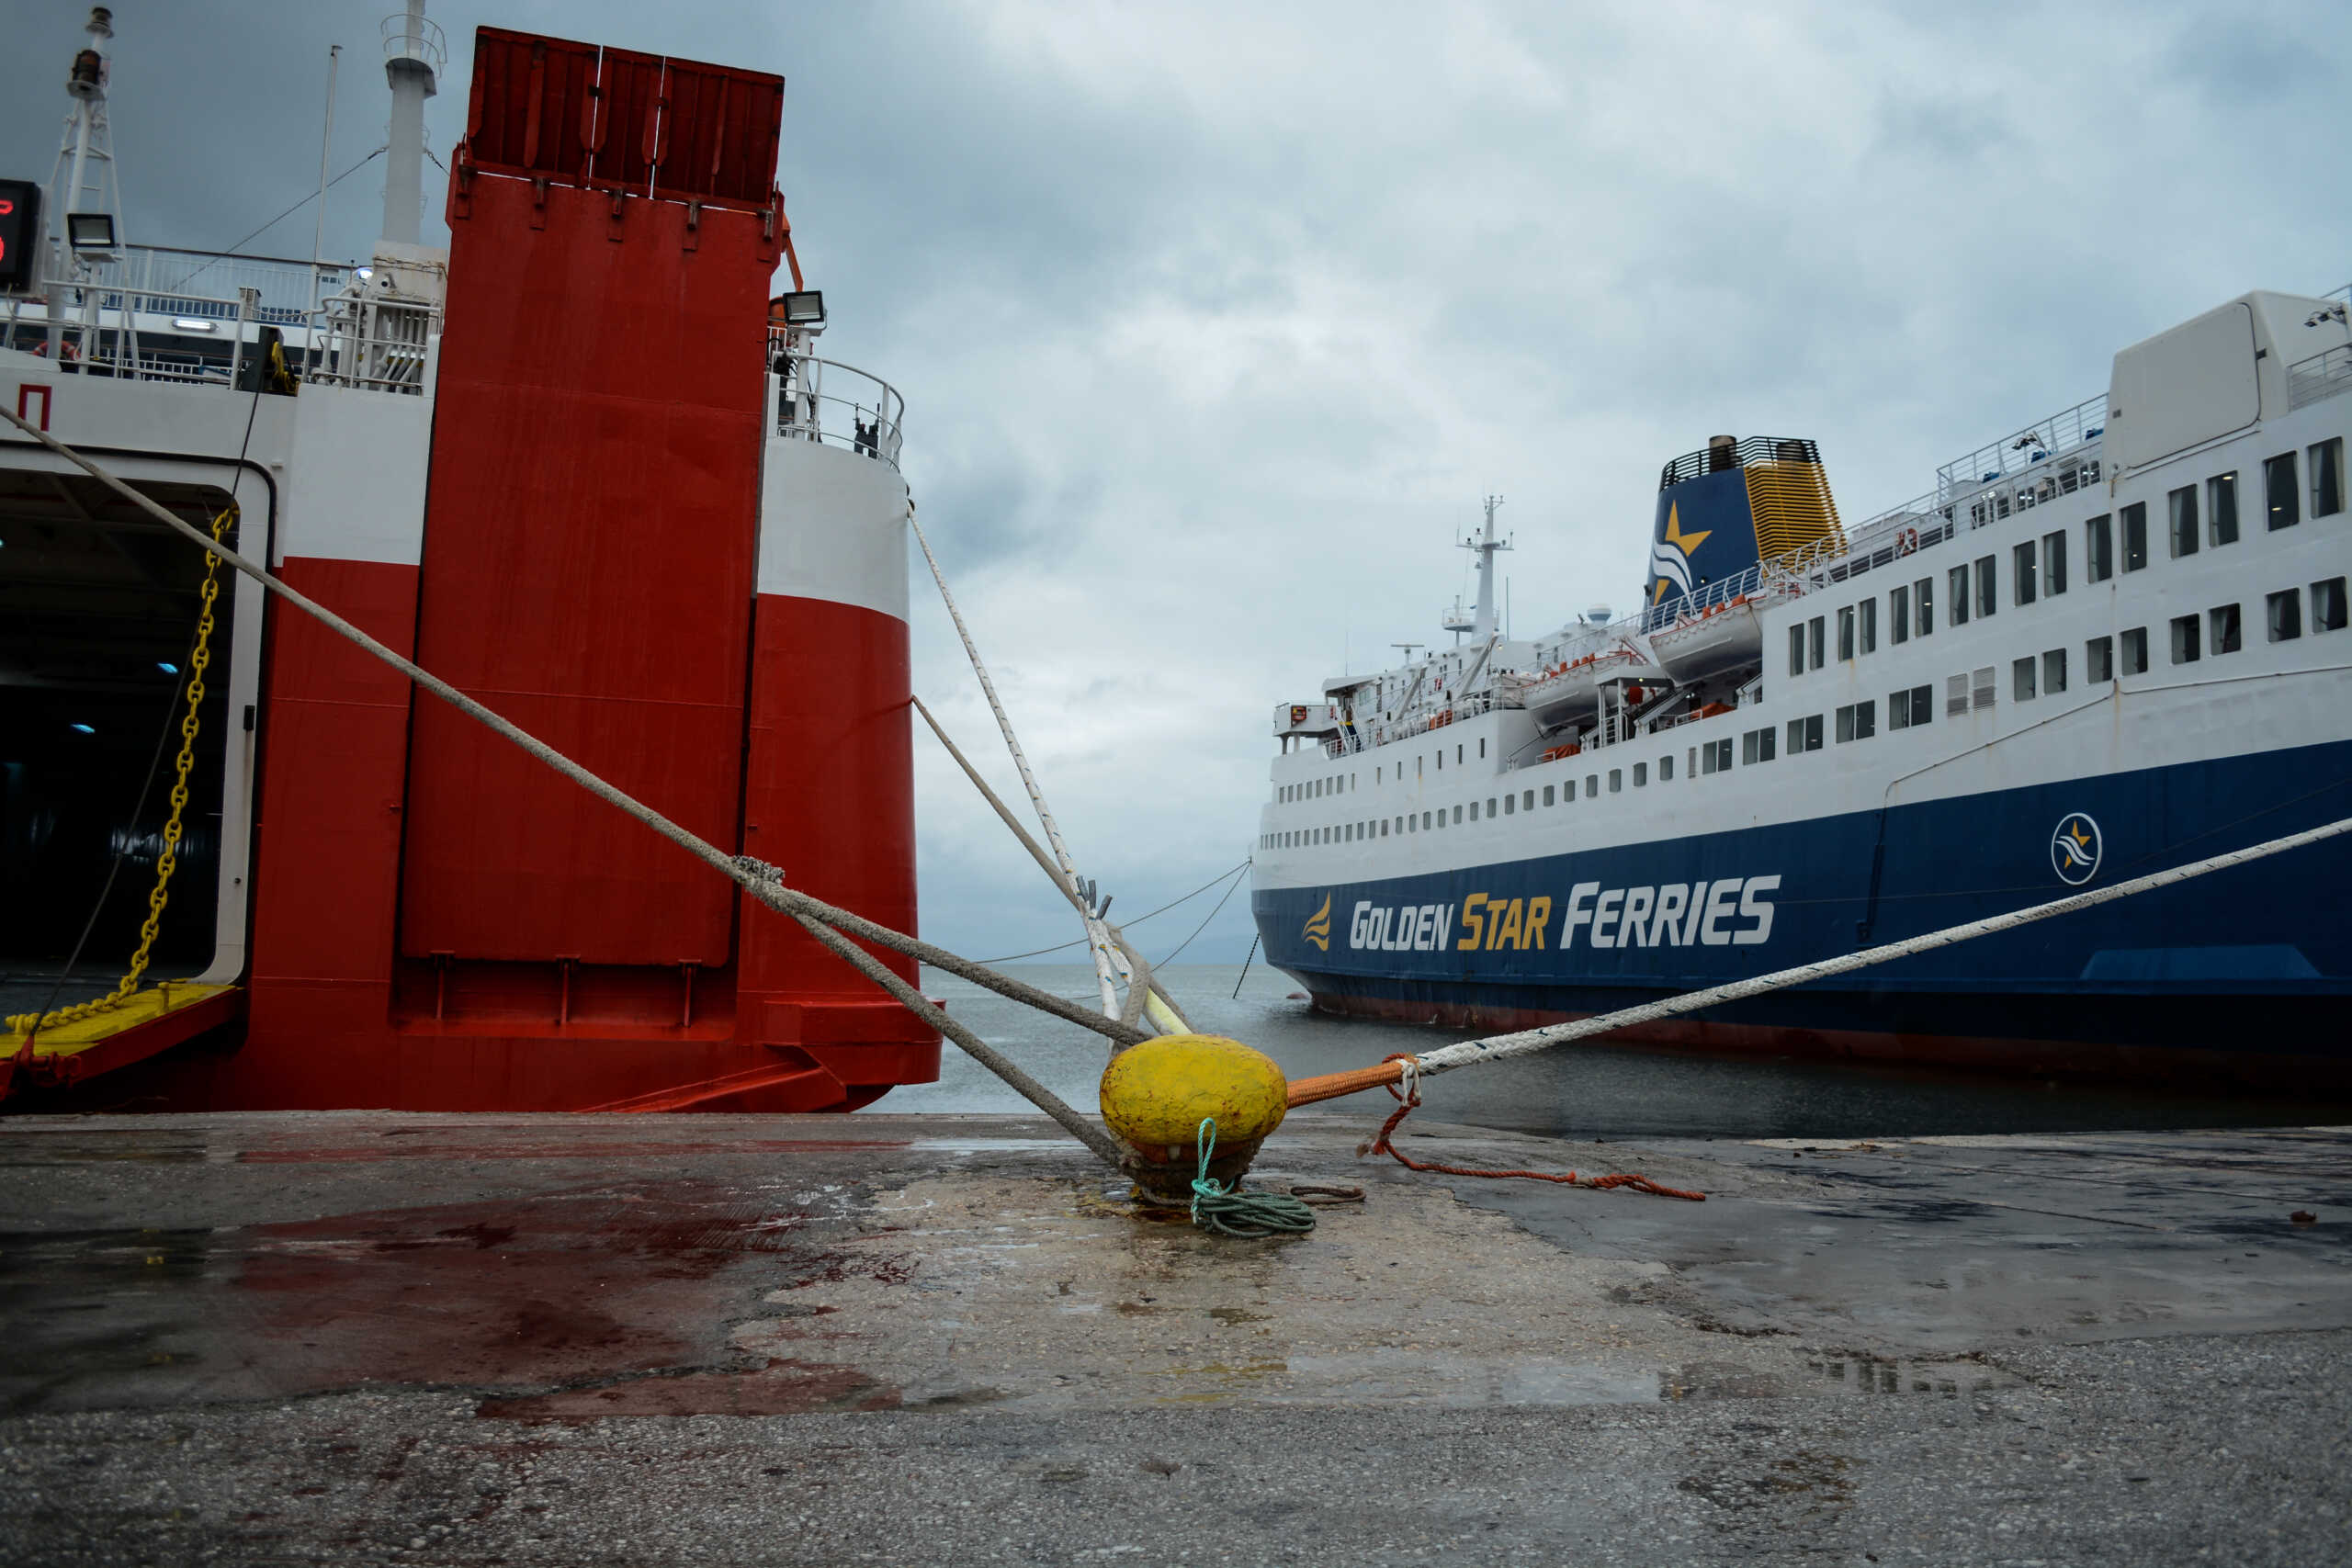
[1723, 509]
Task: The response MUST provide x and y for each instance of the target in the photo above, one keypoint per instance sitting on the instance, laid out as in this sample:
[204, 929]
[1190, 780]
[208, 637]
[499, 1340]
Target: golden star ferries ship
[2109, 643]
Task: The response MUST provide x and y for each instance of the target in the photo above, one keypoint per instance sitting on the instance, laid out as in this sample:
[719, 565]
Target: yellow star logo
[1686, 543]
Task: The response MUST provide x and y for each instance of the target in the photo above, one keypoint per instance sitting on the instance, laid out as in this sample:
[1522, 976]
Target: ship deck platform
[379, 1338]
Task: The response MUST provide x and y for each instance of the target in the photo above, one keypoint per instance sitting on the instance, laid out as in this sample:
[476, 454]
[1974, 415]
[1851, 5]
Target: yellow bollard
[1156, 1094]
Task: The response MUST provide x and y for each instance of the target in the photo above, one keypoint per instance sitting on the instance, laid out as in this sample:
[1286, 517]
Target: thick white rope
[1498, 1047]
[1111, 966]
[764, 882]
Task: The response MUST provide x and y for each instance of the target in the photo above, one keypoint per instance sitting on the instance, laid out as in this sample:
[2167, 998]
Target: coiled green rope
[1232, 1212]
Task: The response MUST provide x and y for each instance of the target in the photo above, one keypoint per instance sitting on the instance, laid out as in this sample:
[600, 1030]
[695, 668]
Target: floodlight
[804, 309]
[90, 230]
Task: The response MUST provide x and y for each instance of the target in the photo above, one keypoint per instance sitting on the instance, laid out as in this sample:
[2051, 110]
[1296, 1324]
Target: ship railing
[163, 280]
[2321, 377]
[372, 342]
[838, 406]
[414, 37]
[2021, 449]
[1361, 736]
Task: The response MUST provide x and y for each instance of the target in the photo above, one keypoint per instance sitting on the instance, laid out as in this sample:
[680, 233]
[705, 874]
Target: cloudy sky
[1215, 322]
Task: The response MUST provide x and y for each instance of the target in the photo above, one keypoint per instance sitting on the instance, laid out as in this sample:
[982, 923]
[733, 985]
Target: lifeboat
[1568, 691]
[1709, 642]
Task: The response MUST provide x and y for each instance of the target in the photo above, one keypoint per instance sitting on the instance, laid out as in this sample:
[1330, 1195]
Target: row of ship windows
[2217, 630]
[2192, 636]
[1439, 817]
[1341, 784]
[2038, 567]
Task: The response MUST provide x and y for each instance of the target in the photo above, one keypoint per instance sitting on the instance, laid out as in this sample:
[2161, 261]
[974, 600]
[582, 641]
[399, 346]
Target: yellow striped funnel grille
[1792, 505]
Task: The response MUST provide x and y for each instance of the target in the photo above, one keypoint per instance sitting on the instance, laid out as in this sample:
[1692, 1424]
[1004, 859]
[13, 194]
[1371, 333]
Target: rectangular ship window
[2021, 680]
[2053, 563]
[1813, 640]
[1547, 795]
[1474, 811]
[1804, 735]
[1870, 625]
[1616, 780]
[1457, 816]
[1980, 685]
[2135, 535]
[1846, 631]
[1591, 786]
[1857, 721]
[1490, 808]
[2286, 614]
[2327, 605]
[2099, 550]
[2183, 505]
[2278, 492]
[2222, 629]
[1923, 595]
[2053, 671]
[1898, 614]
[2098, 660]
[2186, 644]
[1641, 775]
[1987, 600]
[1510, 804]
[2024, 579]
[2135, 651]
[1898, 710]
[1527, 799]
[1956, 581]
[1796, 649]
[1956, 695]
[2328, 477]
[2221, 509]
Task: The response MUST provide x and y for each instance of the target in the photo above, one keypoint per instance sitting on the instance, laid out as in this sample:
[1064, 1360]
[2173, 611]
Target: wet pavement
[378, 1337]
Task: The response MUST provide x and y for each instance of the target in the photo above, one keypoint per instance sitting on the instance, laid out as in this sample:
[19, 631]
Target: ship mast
[410, 48]
[85, 196]
[1480, 622]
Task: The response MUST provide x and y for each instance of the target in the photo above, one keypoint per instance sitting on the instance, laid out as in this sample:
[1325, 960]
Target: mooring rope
[763, 882]
[1410, 1099]
[1065, 946]
[1501, 1047]
[1229, 1211]
[1102, 938]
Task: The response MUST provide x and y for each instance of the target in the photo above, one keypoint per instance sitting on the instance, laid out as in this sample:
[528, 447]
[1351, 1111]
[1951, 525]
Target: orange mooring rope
[1409, 1101]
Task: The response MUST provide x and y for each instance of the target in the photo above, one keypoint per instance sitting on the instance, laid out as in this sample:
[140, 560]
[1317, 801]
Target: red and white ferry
[587, 465]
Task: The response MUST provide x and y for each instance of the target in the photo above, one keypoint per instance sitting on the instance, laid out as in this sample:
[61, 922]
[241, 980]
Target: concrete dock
[569, 1340]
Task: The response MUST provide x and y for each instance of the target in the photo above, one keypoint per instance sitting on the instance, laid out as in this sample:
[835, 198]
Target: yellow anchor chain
[160, 895]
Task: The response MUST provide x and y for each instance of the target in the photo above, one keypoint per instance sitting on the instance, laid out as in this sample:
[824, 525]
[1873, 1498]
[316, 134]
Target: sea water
[1587, 1089]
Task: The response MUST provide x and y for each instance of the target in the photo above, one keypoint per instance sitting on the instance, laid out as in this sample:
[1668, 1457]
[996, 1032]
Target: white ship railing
[373, 341]
[2021, 449]
[2321, 377]
[836, 404]
[1363, 735]
[161, 280]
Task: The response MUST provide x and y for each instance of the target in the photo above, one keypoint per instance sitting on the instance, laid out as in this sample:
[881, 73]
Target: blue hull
[2249, 966]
